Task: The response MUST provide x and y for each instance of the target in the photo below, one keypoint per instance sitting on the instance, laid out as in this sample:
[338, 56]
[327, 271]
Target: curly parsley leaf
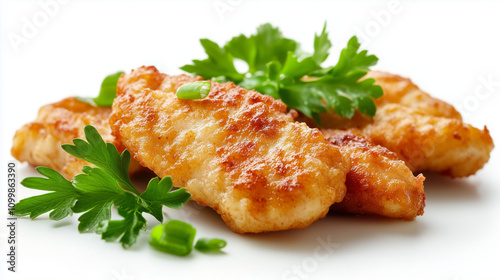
[107, 93]
[103, 155]
[60, 200]
[219, 63]
[97, 189]
[159, 193]
[99, 192]
[127, 229]
[279, 69]
[322, 46]
[267, 44]
[338, 87]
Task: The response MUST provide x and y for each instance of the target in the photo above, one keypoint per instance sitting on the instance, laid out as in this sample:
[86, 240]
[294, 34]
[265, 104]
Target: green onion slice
[210, 245]
[194, 90]
[174, 237]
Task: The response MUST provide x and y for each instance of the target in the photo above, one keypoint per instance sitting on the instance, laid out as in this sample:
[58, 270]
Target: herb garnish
[98, 188]
[174, 237]
[194, 90]
[277, 67]
[210, 245]
[107, 93]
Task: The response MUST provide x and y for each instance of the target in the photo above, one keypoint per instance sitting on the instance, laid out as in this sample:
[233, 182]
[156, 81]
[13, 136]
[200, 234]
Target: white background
[445, 47]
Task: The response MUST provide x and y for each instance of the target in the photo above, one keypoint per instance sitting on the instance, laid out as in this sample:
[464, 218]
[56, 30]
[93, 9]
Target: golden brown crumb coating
[399, 90]
[39, 142]
[378, 183]
[425, 142]
[425, 132]
[237, 151]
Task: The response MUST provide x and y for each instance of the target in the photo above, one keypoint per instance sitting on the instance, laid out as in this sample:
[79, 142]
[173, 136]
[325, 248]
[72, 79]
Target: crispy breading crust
[236, 151]
[378, 183]
[424, 142]
[402, 91]
[39, 142]
[425, 132]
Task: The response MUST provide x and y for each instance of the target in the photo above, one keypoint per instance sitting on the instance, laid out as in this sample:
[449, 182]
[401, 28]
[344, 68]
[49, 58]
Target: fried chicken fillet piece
[378, 183]
[237, 151]
[425, 132]
[39, 142]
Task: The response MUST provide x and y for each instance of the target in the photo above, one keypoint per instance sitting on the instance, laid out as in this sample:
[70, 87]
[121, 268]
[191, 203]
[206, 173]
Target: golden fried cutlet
[378, 183]
[236, 151]
[39, 142]
[427, 133]
[399, 90]
[425, 142]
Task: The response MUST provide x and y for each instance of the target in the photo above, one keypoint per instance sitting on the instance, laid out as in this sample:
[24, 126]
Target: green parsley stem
[127, 185]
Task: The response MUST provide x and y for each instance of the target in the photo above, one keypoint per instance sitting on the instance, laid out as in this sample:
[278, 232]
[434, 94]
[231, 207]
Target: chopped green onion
[209, 245]
[194, 90]
[174, 237]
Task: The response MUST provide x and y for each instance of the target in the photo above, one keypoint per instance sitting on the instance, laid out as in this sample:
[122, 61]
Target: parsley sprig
[277, 67]
[107, 93]
[97, 189]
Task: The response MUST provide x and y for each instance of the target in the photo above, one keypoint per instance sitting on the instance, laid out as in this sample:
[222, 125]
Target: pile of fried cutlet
[264, 167]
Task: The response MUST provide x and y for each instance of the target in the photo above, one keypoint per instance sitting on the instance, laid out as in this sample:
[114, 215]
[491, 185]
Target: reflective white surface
[448, 49]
